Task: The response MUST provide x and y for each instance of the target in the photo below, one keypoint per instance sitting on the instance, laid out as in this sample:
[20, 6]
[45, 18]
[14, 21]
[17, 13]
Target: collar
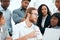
[1, 29]
[45, 17]
[22, 9]
[1, 8]
[57, 10]
[26, 25]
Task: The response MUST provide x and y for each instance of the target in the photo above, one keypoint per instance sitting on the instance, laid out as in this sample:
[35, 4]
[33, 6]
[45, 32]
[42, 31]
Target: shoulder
[35, 26]
[16, 10]
[20, 25]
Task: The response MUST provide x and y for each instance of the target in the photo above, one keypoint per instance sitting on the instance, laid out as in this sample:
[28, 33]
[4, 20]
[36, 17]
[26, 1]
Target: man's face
[5, 3]
[25, 4]
[57, 3]
[34, 16]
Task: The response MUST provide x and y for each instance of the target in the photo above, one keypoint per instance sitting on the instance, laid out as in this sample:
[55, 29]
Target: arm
[16, 17]
[39, 35]
[27, 36]
[7, 36]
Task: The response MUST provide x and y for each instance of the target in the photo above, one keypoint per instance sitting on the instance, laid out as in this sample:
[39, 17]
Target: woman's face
[2, 21]
[54, 21]
[44, 10]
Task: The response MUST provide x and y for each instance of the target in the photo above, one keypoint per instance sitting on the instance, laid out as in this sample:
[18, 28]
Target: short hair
[29, 10]
[2, 0]
[1, 14]
[26, 0]
[57, 15]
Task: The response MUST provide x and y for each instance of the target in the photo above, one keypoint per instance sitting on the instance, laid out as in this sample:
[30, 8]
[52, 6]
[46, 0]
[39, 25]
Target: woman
[55, 21]
[44, 17]
[4, 35]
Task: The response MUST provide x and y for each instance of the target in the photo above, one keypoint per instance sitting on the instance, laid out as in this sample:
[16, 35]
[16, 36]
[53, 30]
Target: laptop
[51, 34]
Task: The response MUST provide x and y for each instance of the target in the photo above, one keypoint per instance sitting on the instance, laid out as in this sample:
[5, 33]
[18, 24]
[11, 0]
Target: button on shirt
[7, 16]
[21, 30]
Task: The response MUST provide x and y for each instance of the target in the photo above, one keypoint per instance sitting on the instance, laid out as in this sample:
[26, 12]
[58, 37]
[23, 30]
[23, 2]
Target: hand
[22, 19]
[32, 34]
[9, 38]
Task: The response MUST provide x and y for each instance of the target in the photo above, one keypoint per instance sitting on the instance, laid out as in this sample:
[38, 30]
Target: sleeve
[7, 33]
[15, 33]
[10, 27]
[39, 34]
[16, 17]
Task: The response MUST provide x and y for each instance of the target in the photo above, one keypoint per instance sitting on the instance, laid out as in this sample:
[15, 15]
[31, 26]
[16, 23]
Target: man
[19, 13]
[6, 14]
[57, 3]
[26, 30]
[4, 35]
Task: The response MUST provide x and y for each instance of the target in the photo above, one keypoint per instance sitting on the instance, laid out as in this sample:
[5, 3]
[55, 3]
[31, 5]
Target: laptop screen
[51, 34]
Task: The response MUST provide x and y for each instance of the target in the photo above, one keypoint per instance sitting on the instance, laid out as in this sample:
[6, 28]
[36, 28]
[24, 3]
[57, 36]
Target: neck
[4, 7]
[44, 15]
[23, 8]
[0, 25]
[59, 9]
[28, 23]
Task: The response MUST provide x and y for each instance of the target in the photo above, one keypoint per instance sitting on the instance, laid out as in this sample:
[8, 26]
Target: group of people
[30, 23]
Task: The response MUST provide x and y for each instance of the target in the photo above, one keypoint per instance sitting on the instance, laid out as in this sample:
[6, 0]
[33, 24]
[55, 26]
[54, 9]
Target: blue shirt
[7, 16]
[18, 14]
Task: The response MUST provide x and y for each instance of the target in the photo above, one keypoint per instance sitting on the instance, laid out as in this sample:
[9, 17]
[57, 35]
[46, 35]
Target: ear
[28, 14]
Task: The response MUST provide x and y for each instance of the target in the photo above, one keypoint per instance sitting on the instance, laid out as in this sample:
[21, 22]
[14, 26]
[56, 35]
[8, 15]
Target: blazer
[47, 22]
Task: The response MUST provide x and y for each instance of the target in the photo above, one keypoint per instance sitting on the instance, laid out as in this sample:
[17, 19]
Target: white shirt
[56, 10]
[43, 21]
[21, 30]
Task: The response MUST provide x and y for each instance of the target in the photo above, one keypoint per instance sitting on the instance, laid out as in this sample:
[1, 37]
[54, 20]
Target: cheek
[57, 5]
[44, 11]
[54, 22]
[3, 21]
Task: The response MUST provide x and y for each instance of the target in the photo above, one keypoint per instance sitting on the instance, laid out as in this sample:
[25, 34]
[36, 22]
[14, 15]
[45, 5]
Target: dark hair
[57, 15]
[26, 0]
[1, 14]
[2, 0]
[29, 10]
[40, 10]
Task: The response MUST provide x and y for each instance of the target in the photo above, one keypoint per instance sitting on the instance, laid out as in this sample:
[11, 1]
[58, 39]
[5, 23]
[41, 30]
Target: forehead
[44, 7]
[34, 11]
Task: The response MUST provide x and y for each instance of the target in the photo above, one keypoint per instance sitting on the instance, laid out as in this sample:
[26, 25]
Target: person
[4, 35]
[6, 14]
[44, 17]
[57, 4]
[26, 30]
[19, 13]
[55, 21]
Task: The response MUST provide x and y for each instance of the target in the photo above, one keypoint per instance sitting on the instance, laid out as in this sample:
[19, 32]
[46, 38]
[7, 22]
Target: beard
[32, 20]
